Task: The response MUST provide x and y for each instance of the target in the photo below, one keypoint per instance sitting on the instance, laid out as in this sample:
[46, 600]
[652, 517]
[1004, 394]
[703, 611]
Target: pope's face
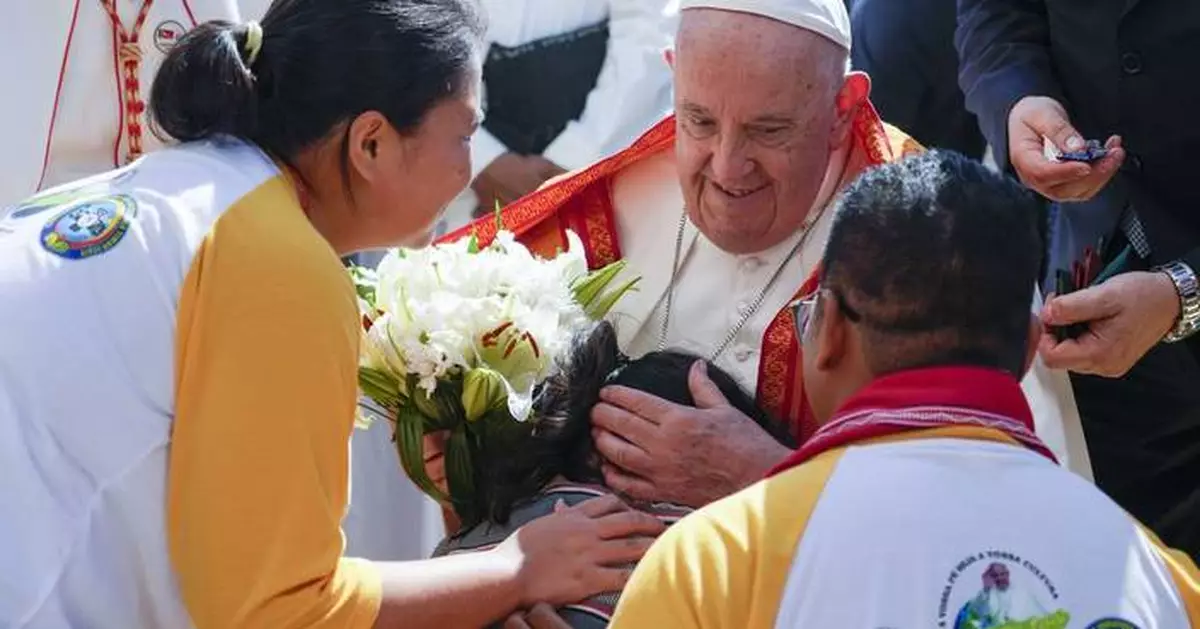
[757, 117]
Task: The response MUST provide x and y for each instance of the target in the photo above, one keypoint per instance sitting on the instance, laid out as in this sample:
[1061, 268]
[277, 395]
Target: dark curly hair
[557, 440]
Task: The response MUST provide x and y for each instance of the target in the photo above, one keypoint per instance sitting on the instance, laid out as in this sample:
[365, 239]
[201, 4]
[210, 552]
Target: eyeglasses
[804, 309]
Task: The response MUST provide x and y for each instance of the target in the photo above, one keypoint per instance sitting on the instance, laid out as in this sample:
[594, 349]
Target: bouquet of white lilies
[457, 338]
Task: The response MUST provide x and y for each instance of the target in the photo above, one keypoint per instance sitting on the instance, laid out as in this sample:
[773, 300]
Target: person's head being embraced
[931, 262]
[557, 444]
[371, 103]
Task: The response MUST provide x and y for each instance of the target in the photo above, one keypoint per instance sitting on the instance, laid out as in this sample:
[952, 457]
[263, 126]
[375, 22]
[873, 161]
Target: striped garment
[593, 613]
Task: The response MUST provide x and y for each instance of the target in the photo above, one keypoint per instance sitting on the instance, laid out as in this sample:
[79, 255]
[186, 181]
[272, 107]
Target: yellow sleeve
[266, 360]
[698, 575]
[1184, 573]
[726, 565]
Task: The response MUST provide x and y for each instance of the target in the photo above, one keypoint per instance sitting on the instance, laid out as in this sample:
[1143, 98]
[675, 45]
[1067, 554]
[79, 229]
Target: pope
[723, 210]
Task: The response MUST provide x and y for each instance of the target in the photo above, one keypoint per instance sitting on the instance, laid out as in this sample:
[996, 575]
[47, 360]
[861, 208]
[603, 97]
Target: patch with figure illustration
[89, 227]
[1000, 590]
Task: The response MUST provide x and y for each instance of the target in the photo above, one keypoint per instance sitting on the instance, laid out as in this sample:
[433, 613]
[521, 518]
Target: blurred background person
[82, 70]
[565, 84]
[1115, 72]
[907, 48]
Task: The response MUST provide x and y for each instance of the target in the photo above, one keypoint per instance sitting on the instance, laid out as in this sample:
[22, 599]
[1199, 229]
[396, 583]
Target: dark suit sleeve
[1004, 56]
[1192, 259]
[890, 59]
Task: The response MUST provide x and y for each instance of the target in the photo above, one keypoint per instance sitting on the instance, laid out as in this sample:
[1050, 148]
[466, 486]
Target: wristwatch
[1188, 288]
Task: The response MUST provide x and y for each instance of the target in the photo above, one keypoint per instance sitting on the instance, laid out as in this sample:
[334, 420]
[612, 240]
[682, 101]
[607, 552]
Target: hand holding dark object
[656, 450]
[1125, 316]
[542, 616]
[578, 551]
[510, 177]
[1037, 118]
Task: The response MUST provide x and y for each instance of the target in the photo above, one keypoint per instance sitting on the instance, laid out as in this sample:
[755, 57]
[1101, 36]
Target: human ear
[364, 141]
[855, 90]
[830, 336]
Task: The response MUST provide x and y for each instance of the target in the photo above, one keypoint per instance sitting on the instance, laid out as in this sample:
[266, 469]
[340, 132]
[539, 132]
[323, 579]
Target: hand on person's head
[1036, 118]
[579, 551]
[656, 450]
[542, 616]
[1126, 316]
[510, 177]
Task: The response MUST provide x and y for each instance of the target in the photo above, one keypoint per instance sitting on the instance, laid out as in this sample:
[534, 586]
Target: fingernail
[1074, 143]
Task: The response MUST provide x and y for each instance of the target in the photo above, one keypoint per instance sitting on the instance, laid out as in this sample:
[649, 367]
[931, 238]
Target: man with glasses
[924, 499]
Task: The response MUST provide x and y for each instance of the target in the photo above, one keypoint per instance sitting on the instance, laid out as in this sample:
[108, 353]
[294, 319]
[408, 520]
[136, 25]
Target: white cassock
[64, 118]
[632, 92]
[714, 289]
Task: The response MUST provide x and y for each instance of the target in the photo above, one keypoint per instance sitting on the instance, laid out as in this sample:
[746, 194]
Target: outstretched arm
[1004, 56]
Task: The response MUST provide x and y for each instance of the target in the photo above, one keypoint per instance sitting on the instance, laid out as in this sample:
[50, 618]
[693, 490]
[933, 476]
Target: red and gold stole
[582, 203]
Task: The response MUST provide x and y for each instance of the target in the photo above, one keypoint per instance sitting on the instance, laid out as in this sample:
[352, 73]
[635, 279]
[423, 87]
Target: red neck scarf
[918, 399]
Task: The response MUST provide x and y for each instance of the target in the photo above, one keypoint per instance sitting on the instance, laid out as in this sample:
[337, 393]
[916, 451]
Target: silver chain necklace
[805, 229]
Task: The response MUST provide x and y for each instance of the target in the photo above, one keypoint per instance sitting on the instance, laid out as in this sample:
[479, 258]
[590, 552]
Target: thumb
[1085, 305]
[1052, 123]
[704, 391]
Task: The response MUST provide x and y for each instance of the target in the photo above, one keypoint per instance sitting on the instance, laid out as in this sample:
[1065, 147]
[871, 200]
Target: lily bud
[483, 390]
[426, 405]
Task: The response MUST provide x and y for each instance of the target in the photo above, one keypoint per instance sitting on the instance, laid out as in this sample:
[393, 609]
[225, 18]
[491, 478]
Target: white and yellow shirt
[178, 349]
[953, 528]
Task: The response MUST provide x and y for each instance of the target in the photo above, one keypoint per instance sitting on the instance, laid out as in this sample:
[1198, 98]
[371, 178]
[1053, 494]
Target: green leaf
[410, 433]
[473, 244]
[599, 308]
[365, 284]
[460, 476]
[380, 386]
[588, 288]
[499, 218]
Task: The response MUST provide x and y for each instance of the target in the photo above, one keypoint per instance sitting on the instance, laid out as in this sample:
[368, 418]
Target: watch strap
[1188, 288]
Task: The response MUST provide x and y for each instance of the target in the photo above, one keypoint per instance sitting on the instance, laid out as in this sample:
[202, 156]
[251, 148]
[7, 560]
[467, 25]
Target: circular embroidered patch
[167, 34]
[1112, 623]
[89, 227]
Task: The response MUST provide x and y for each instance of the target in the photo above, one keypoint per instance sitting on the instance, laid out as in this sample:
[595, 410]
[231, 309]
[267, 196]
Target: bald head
[761, 104]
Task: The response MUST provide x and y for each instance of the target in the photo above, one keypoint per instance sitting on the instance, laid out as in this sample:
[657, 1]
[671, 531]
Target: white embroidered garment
[68, 122]
[713, 285]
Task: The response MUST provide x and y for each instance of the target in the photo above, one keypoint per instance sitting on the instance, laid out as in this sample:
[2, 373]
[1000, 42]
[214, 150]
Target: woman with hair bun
[521, 476]
[180, 344]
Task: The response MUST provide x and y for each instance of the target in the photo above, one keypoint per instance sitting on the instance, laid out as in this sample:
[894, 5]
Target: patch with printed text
[89, 227]
[997, 589]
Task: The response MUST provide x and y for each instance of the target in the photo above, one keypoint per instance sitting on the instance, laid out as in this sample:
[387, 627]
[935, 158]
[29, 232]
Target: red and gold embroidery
[129, 68]
[582, 202]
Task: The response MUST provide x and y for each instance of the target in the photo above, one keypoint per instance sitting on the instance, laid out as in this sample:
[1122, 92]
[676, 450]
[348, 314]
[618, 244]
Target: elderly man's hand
[655, 450]
[1126, 316]
[1036, 117]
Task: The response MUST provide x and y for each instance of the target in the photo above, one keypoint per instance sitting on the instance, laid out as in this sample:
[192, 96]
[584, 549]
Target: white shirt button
[742, 354]
[743, 308]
